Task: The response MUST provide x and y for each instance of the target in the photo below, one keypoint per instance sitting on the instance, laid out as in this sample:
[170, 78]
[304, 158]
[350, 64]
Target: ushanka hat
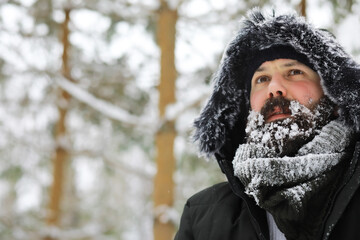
[269, 54]
[220, 128]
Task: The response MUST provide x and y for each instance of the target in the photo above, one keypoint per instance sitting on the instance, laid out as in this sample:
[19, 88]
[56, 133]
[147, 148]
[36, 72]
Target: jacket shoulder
[215, 213]
[216, 194]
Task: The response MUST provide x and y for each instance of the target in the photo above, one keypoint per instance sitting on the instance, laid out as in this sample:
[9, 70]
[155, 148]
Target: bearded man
[283, 122]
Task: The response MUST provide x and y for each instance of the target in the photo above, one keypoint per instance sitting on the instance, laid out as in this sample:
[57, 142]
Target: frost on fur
[340, 75]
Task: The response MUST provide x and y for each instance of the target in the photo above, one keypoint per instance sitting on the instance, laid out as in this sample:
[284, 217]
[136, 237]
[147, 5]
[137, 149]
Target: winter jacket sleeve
[185, 229]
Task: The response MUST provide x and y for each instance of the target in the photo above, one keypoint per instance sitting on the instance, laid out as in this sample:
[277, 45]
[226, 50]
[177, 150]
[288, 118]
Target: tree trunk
[302, 7]
[163, 182]
[61, 154]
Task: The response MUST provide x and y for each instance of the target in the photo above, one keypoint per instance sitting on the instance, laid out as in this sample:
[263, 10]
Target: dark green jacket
[217, 213]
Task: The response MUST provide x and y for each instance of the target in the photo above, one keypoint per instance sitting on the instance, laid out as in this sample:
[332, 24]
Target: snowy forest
[97, 101]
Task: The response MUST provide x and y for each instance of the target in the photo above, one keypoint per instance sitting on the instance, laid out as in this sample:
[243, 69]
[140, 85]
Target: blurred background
[97, 100]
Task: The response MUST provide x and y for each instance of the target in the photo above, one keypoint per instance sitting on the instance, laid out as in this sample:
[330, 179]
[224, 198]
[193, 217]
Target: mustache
[279, 102]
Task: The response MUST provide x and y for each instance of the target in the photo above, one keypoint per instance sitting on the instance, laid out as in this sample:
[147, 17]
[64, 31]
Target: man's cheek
[257, 102]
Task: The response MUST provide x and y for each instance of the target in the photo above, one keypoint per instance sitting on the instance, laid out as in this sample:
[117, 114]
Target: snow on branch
[92, 231]
[145, 172]
[173, 111]
[166, 214]
[106, 108]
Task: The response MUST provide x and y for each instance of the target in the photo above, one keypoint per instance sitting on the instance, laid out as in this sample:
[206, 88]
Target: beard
[285, 136]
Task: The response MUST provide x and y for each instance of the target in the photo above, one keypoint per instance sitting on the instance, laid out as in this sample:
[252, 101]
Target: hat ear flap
[344, 90]
[221, 114]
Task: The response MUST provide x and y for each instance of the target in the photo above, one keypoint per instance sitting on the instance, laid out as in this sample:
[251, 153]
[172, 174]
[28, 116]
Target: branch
[173, 111]
[145, 172]
[146, 175]
[106, 108]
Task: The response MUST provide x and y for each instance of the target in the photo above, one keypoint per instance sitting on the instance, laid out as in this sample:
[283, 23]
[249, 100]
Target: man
[283, 122]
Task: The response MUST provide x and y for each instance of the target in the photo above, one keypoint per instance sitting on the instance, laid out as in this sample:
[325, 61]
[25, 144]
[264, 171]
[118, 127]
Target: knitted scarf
[295, 190]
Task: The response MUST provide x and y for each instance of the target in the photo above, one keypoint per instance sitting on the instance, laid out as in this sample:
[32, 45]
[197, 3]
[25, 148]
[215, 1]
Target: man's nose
[276, 86]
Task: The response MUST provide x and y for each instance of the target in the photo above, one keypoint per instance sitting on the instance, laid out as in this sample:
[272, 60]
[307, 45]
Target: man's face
[287, 78]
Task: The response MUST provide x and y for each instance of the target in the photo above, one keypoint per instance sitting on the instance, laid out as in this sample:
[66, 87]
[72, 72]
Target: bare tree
[302, 6]
[61, 155]
[165, 136]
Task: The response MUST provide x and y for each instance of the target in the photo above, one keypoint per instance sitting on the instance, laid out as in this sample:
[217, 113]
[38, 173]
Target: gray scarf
[284, 185]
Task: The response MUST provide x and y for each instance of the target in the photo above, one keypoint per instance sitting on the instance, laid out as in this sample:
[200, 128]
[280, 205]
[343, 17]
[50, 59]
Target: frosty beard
[286, 136]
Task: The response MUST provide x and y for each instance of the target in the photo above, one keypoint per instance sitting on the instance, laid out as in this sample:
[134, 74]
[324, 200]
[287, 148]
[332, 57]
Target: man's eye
[262, 79]
[295, 72]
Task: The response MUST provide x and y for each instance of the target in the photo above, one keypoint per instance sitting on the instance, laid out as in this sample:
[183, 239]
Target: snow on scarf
[284, 185]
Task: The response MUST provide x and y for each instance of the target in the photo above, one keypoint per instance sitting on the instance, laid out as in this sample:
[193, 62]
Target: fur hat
[269, 54]
[220, 128]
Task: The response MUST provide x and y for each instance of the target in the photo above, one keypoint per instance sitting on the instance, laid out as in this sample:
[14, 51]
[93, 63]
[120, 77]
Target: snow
[30, 192]
[85, 20]
[346, 34]
[106, 108]
[88, 231]
[166, 214]
[173, 111]
[15, 18]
